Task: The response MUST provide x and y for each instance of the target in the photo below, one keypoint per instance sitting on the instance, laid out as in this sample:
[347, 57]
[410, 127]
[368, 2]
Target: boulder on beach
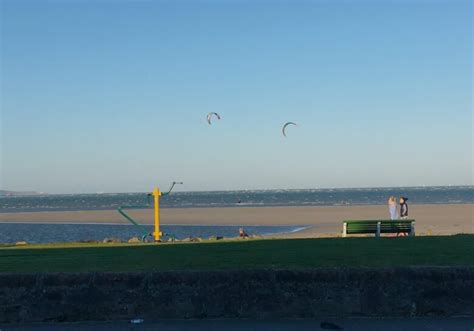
[134, 240]
[111, 241]
[21, 243]
[192, 239]
[171, 239]
[212, 238]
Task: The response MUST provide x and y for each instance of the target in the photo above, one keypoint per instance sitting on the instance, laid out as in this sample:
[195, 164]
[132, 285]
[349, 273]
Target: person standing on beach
[403, 214]
[392, 207]
[403, 208]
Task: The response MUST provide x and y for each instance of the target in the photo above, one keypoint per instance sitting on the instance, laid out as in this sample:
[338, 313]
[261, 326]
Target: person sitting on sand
[242, 233]
[392, 207]
[403, 208]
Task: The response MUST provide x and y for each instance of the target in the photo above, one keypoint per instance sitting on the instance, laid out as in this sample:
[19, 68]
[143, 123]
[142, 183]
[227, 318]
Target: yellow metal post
[156, 195]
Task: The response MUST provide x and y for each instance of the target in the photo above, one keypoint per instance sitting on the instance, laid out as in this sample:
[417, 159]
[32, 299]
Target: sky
[112, 96]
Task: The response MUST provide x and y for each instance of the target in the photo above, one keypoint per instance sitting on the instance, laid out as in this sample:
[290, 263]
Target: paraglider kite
[209, 117]
[283, 130]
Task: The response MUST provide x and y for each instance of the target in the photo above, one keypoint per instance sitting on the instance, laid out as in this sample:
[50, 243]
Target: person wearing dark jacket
[403, 208]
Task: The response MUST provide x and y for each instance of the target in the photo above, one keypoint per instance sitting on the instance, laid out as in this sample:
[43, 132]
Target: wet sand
[325, 221]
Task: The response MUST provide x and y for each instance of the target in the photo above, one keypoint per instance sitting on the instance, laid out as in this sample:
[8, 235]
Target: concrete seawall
[340, 293]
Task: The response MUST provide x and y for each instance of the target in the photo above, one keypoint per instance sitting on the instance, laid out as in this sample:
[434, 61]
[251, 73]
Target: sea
[62, 233]
[50, 233]
[244, 198]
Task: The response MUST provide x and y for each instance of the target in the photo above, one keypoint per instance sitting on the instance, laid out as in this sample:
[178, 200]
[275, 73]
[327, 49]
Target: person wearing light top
[392, 207]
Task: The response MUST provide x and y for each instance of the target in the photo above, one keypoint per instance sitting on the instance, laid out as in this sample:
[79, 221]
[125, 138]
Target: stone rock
[134, 240]
[171, 239]
[21, 243]
[111, 240]
[192, 239]
[212, 238]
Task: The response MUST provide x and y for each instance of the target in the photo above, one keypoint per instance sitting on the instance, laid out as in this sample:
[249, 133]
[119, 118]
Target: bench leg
[378, 230]
[412, 229]
[344, 230]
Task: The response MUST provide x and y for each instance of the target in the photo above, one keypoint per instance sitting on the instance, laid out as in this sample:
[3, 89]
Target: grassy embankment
[252, 254]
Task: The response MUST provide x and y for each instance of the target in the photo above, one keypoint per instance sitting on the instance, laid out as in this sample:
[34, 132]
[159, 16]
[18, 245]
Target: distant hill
[4, 193]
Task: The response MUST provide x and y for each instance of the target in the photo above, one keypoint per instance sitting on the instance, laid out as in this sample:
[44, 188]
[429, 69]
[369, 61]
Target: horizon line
[36, 193]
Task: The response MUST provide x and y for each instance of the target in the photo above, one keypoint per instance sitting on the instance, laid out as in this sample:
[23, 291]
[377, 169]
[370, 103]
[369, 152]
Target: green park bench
[378, 227]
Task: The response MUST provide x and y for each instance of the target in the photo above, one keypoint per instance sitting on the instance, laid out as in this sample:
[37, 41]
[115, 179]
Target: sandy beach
[324, 221]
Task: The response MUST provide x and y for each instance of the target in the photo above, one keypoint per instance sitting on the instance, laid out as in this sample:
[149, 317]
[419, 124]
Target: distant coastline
[5, 193]
[250, 190]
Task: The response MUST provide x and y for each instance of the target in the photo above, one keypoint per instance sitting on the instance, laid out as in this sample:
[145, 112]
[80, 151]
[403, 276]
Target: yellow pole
[156, 195]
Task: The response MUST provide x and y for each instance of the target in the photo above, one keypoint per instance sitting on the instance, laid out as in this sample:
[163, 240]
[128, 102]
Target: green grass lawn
[281, 253]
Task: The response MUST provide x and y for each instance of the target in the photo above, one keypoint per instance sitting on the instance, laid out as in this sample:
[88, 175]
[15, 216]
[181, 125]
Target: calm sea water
[317, 197]
[53, 233]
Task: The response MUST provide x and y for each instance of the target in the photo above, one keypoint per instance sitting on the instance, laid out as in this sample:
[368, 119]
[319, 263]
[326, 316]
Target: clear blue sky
[113, 95]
